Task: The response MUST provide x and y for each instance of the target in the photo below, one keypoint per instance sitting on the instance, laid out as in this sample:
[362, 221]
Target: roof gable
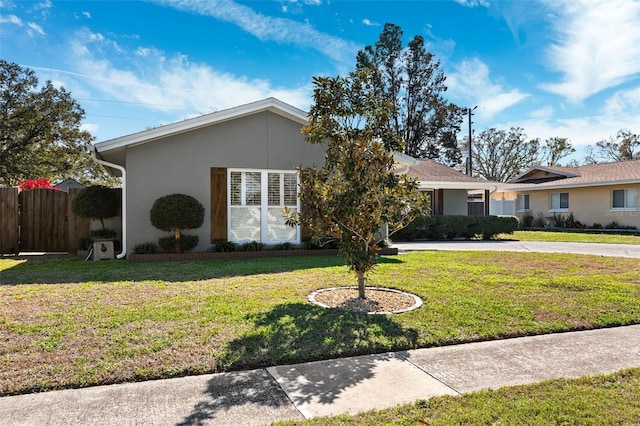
[270, 104]
[539, 174]
[623, 172]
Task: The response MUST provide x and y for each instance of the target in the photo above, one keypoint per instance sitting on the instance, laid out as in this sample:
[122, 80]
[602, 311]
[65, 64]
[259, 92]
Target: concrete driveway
[613, 250]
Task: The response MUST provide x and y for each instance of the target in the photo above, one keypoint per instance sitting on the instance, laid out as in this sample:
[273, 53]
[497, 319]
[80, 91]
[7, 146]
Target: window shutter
[218, 204]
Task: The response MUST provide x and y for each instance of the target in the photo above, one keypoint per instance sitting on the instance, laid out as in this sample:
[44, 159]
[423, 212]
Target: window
[257, 200]
[560, 201]
[429, 206]
[624, 199]
[523, 202]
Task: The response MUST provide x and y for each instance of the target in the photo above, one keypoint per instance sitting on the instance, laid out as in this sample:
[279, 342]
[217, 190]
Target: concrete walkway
[614, 250]
[347, 385]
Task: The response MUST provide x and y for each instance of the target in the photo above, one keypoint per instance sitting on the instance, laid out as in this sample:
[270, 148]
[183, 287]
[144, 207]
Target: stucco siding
[182, 163]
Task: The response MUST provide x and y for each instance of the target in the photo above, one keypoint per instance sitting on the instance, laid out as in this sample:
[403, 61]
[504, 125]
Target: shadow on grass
[299, 332]
[73, 269]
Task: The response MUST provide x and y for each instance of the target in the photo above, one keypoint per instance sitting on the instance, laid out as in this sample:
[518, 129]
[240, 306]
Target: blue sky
[555, 68]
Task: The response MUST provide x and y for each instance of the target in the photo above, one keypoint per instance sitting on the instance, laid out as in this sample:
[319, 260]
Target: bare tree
[553, 150]
[500, 155]
[624, 146]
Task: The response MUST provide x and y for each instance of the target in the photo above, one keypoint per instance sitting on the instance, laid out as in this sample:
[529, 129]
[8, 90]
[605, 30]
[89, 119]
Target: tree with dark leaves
[412, 82]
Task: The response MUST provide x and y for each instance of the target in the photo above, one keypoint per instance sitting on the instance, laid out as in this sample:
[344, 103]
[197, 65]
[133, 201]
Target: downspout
[94, 155]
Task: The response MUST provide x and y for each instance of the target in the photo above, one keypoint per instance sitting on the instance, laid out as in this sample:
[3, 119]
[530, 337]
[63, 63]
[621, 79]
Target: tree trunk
[176, 233]
[360, 285]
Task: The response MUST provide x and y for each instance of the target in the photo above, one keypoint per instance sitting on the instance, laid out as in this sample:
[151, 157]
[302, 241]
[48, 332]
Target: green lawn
[69, 323]
[571, 237]
[612, 399]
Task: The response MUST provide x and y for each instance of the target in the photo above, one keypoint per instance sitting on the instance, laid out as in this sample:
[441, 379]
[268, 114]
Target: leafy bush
[284, 246]
[452, 227]
[176, 212]
[224, 246]
[146, 248]
[97, 202]
[615, 225]
[252, 246]
[527, 221]
[172, 245]
[84, 243]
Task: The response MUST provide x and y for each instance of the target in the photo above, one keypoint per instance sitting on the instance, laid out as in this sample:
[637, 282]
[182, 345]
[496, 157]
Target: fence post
[9, 241]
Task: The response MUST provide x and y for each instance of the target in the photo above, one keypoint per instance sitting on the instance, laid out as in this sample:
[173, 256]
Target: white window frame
[524, 203]
[264, 204]
[627, 199]
[559, 208]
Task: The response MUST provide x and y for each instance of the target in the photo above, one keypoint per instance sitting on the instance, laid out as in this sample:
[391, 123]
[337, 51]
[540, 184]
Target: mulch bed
[377, 300]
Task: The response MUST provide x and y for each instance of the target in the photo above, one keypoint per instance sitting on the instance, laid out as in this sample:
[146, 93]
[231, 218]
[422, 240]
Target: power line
[126, 102]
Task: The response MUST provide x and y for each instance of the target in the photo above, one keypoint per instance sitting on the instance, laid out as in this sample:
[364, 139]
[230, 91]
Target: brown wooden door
[43, 220]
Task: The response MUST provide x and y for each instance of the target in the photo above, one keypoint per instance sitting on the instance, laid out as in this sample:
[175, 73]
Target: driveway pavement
[614, 250]
[346, 385]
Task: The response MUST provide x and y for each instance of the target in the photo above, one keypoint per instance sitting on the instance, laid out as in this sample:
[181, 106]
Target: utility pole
[469, 161]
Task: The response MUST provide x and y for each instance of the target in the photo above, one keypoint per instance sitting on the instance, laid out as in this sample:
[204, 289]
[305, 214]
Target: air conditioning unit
[103, 250]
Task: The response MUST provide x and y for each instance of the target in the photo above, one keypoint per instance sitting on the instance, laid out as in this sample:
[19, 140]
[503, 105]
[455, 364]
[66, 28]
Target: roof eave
[424, 185]
[534, 187]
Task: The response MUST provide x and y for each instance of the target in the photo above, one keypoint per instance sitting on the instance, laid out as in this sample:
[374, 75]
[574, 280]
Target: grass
[68, 323]
[612, 399]
[571, 237]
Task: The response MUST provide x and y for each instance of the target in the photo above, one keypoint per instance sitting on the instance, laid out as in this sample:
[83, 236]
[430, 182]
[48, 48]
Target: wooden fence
[40, 220]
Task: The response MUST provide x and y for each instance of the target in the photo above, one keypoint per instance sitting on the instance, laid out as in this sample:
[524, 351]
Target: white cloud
[473, 3]
[471, 81]
[170, 85]
[86, 14]
[89, 127]
[596, 46]
[368, 23]
[621, 109]
[11, 19]
[35, 28]
[143, 51]
[268, 28]
[625, 101]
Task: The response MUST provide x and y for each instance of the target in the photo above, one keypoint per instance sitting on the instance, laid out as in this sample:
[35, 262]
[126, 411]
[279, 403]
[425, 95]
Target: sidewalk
[346, 385]
[597, 249]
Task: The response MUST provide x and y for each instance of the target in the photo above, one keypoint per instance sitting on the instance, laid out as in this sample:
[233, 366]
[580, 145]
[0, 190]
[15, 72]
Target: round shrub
[176, 212]
[96, 202]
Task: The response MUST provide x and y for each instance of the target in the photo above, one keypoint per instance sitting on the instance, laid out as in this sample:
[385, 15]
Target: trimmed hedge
[185, 243]
[452, 227]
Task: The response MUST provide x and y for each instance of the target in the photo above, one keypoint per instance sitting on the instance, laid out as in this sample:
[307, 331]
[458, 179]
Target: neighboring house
[68, 183]
[595, 193]
[240, 164]
[449, 189]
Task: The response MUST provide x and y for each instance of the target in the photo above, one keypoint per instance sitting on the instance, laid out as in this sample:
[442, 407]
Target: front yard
[572, 237]
[68, 323]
